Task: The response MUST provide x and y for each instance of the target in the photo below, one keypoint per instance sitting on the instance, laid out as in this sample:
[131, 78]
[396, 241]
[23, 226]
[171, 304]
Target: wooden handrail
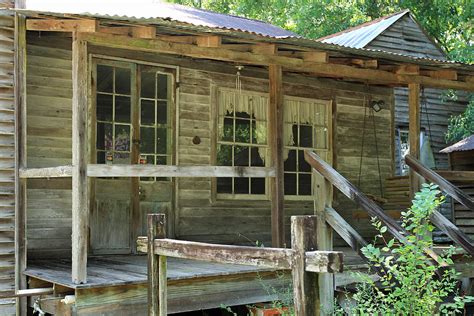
[443, 184]
[349, 190]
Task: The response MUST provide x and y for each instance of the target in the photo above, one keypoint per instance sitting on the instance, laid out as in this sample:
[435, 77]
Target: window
[403, 149]
[305, 127]
[122, 89]
[113, 102]
[242, 139]
[155, 121]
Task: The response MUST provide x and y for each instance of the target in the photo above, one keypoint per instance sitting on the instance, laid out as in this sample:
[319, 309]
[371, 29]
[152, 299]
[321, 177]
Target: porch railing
[351, 236]
[302, 259]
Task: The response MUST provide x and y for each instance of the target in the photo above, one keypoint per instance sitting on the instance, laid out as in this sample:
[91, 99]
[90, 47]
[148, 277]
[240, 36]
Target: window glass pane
[224, 185]
[104, 107]
[100, 157]
[105, 77]
[122, 137]
[242, 131]
[290, 183]
[147, 140]
[257, 185]
[227, 131]
[304, 182]
[290, 162]
[321, 137]
[122, 80]
[224, 155]
[162, 112]
[161, 140]
[241, 185]
[147, 112]
[148, 85]
[122, 109]
[162, 86]
[104, 136]
[162, 160]
[302, 164]
[306, 136]
[259, 133]
[256, 157]
[121, 158]
[241, 156]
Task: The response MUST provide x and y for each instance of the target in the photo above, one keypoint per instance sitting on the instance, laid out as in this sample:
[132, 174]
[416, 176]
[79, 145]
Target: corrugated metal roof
[361, 35]
[462, 145]
[151, 10]
[120, 10]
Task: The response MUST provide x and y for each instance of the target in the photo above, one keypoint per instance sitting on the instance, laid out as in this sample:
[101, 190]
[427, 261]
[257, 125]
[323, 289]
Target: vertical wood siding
[7, 159]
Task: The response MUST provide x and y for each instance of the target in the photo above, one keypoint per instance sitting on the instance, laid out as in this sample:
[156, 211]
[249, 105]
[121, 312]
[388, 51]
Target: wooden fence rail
[304, 261]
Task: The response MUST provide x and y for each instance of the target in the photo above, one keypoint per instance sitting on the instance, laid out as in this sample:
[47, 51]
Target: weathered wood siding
[49, 93]
[7, 159]
[405, 36]
[199, 216]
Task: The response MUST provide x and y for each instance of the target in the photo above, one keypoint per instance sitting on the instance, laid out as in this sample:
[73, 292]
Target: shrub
[412, 284]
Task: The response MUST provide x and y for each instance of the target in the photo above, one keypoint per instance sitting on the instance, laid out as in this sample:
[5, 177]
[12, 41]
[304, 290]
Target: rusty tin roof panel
[462, 145]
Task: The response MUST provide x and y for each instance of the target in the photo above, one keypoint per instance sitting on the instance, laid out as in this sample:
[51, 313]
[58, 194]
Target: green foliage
[410, 285]
[449, 22]
[462, 125]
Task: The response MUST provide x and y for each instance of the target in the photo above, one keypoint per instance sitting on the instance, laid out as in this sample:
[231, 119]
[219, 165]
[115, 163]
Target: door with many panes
[133, 115]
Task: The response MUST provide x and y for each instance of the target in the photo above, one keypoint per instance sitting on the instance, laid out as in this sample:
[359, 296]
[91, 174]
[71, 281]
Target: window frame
[215, 196]
[135, 66]
[328, 150]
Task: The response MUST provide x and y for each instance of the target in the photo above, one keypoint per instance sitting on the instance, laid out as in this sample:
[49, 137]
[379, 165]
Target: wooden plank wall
[7, 159]
[49, 93]
[199, 217]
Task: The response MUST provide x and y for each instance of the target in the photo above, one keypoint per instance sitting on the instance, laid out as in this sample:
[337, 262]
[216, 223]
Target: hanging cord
[425, 105]
[377, 153]
[363, 141]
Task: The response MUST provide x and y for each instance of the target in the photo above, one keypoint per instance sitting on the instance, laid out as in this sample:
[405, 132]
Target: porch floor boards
[112, 270]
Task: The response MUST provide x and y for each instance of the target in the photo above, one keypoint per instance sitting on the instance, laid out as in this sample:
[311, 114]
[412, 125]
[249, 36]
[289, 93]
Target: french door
[132, 123]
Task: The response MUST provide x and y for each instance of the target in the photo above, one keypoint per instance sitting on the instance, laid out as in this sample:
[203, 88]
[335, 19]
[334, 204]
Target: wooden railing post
[414, 133]
[157, 281]
[323, 198]
[305, 284]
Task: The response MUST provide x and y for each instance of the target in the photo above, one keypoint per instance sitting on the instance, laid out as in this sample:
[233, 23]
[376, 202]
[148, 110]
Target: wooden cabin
[117, 112]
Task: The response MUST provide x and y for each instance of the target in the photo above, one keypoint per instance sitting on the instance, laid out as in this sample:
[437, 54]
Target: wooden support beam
[112, 171]
[414, 133]
[265, 49]
[323, 198]
[50, 172]
[185, 39]
[57, 25]
[157, 282]
[443, 74]
[274, 258]
[315, 57]
[408, 70]
[324, 262]
[455, 175]
[20, 69]
[209, 41]
[305, 284]
[277, 187]
[144, 31]
[294, 64]
[80, 199]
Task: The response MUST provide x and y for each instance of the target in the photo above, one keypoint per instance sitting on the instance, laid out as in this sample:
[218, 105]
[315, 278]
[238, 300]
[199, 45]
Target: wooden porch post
[157, 279]
[20, 159]
[305, 284]
[80, 197]
[276, 149]
[414, 133]
[323, 198]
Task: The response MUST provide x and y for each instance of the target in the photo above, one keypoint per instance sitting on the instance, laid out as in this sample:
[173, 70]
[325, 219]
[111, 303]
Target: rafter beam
[209, 41]
[292, 64]
[55, 25]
